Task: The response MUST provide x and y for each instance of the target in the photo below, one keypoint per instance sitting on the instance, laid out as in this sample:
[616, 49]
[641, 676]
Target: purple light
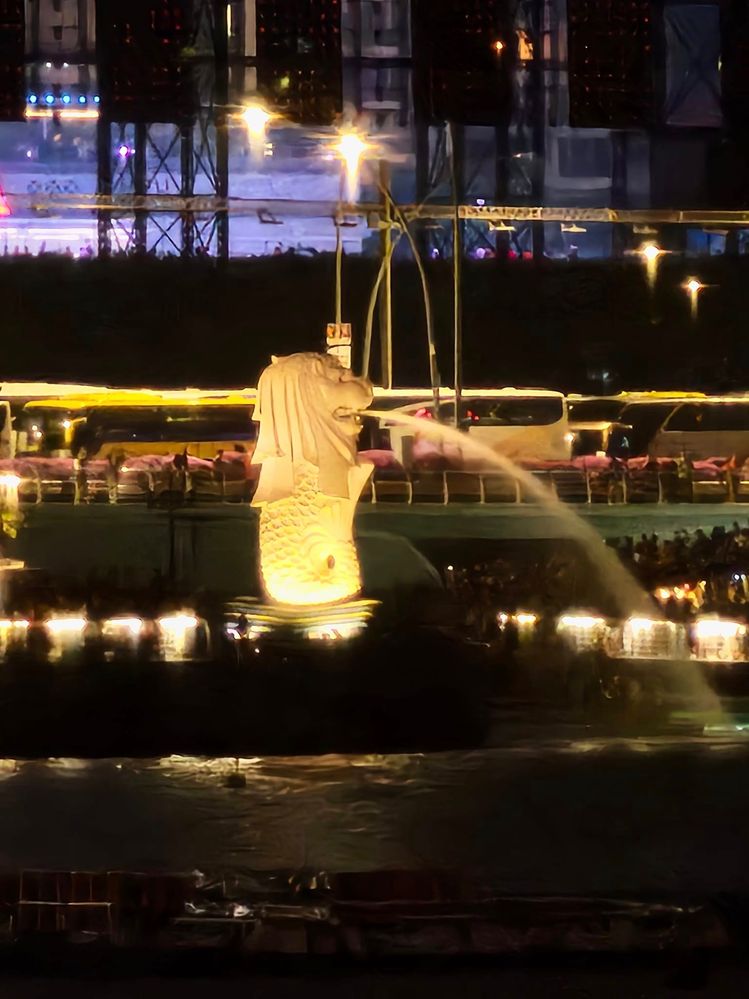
[124, 151]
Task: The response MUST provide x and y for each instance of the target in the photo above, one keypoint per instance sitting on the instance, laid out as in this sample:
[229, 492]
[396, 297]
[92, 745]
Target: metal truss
[513, 151]
[162, 186]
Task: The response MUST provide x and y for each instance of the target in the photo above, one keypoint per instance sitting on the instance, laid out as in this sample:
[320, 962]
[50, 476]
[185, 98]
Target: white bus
[716, 427]
[521, 424]
[593, 418]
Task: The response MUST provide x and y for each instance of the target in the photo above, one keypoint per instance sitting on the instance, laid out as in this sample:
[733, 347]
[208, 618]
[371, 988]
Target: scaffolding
[163, 185]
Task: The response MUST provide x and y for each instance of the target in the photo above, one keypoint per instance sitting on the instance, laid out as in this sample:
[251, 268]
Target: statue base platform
[253, 620]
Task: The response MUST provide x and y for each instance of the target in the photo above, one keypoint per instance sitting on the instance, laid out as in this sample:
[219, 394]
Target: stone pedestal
[327, 623]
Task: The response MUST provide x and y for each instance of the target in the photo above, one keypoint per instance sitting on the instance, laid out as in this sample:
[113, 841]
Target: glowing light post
[256, 120]
[693, 287]
[651, 253]
[350, 150]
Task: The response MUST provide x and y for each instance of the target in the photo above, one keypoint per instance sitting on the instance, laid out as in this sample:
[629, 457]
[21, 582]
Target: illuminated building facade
[131, 108]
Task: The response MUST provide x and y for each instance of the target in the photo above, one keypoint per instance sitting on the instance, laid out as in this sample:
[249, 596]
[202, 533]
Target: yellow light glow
[65, 634]
[693, 287]
[582, 632]
[256, 119]
[65, 114]
[122, 627]
[498, 46]
[176, 631]
[581, 621]
[651, 254]
[641, 624]
[525, 46]
[350, 149]
[711, 628]
[11, 630]
[65, 625]
[525, 620]
[8, 480]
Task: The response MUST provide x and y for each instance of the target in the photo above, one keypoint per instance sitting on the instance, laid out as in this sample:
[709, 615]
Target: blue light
[33, 98]
[66, 98]
[81, 99]
[49, 98]
[96, 99]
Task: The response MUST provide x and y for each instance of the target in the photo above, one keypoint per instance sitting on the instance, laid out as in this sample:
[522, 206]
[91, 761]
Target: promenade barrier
[159, 482]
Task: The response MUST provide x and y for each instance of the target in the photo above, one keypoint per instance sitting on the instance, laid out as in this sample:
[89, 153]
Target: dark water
[584, 815]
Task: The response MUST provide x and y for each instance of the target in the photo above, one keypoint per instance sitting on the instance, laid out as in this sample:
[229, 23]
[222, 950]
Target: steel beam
[204, 204]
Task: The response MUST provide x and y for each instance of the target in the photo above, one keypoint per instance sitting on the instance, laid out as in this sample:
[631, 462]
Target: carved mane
[296, 405]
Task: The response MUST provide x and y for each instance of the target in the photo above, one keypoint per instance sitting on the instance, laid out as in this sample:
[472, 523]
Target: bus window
[639, 423]
[726, 416]
[595, 410]
[165, 425]
[686, 419]
[541, 411]
[209, 423]
[722, 417]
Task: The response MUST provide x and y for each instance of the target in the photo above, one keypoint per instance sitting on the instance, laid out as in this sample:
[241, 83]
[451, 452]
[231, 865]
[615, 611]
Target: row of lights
[717, 639]
[351, 149]
[176, 631]
[651, 254]
[50, 99]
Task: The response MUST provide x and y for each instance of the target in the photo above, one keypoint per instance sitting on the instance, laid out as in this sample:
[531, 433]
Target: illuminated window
[525, 47]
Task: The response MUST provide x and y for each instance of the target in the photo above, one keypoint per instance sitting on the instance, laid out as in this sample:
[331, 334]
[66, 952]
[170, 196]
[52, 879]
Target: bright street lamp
[350, 149]
[651, 254]
[256, 119]
[693, 287]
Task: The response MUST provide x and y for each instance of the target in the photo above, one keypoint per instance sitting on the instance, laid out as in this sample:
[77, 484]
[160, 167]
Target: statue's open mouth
[346, 414]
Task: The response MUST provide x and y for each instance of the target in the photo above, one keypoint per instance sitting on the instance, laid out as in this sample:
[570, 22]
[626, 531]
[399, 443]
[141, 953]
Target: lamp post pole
[456, 173]
[338, 273]
[386, 288]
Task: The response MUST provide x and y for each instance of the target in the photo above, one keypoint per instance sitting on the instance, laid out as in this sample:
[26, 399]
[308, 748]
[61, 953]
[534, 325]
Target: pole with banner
[338, 339]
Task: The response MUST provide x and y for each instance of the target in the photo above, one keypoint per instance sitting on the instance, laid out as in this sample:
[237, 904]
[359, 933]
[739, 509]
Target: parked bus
[521, 424]
[592, 418]
[120, 423]
[22, 435]
[697, 428]
[706, 428]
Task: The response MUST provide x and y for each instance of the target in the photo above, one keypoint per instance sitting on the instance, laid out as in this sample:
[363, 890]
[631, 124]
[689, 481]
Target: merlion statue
[310, 479]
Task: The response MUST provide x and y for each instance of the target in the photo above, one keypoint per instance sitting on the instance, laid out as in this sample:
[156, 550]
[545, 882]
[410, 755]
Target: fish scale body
[305, 558]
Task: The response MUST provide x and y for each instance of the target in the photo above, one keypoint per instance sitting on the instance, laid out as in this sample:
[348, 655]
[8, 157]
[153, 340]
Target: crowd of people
[687, 573]
[684, 552]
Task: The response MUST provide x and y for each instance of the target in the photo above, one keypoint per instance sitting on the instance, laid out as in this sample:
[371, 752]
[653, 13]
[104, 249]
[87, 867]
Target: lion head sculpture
[307, 407]
[310, 479]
